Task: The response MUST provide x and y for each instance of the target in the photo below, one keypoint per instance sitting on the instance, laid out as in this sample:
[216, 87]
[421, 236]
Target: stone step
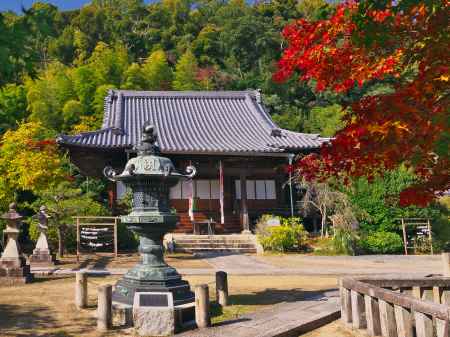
[211, 245]
[231, 250]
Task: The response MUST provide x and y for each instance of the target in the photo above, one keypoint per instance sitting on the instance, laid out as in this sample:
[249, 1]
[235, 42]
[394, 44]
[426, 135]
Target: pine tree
[156, 71]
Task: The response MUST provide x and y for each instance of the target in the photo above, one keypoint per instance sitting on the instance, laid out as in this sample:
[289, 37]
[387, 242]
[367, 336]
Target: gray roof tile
[212, 122]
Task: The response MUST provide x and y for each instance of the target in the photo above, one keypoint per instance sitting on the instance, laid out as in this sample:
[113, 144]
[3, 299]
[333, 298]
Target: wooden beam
[221, 192]
[244, 208]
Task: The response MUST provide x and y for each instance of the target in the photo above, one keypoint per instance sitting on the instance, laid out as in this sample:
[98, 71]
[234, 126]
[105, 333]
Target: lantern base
[127, 287]
[14, 271]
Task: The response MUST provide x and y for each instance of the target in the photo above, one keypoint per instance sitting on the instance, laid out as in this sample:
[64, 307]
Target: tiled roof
[212, 122]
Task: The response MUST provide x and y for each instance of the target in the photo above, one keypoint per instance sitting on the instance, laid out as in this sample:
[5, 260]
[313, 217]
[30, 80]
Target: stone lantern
[150, 177]
[13, 267]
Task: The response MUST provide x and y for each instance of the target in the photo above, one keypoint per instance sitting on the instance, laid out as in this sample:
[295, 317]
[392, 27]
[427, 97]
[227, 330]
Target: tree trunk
[60, 240]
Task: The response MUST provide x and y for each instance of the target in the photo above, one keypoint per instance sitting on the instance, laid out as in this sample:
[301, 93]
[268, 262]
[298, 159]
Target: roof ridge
[202, 94]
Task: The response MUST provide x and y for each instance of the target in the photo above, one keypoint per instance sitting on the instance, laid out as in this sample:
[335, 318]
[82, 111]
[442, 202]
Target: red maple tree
[363, 42]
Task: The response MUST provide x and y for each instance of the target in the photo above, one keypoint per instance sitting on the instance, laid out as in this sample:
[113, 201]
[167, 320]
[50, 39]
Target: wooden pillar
[81, 290]
[221, 192]
[78, 239]
[405, 238]
[244, 209]
[115, 238]
[104, 308]
[192, 196]
[202, 317]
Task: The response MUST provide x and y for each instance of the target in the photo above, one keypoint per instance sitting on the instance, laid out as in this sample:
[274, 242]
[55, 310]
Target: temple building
[240, 154]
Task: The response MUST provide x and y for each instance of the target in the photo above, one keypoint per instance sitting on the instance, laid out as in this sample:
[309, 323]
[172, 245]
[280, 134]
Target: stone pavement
[284, 319]
[236, 264]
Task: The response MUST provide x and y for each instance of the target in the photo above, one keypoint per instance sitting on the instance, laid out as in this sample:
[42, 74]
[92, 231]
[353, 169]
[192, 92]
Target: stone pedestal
[41, 254]
[154, 321]
[13, 267]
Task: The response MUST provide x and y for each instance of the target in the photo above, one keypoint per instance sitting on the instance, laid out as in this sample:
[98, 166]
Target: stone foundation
[14, 272]
[43, 258]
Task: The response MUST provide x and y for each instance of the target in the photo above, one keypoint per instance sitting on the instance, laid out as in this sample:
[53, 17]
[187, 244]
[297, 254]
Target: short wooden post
[437, 294]
[442, 328]
[446, 264]
[222, 288]
[78, 239]
[372, 316]
[115, 238]
[387, 319]
[358, 310]
[104, 307]
[424, 325]
[81, 290]
[405, 238]
[346, 305]
[417, 292]
[404, 322]
[202, 317]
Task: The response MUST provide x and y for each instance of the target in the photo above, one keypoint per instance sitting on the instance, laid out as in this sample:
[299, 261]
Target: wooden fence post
[404, 322]
[372, 316]
[446, 264]
[202, 317]
[346, 305]
[424, 325]
[222, 288]
[387, 319]
[81, 290]
[104, 307]
[358, 310]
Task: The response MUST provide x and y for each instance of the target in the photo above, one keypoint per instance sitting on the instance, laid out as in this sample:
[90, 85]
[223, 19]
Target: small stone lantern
[150, 177]
[13, 267]
[42, 256]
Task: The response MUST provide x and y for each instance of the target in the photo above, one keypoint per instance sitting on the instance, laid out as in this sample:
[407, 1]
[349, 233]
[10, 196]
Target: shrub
[382, 243]
[289, 236]
[344, 241]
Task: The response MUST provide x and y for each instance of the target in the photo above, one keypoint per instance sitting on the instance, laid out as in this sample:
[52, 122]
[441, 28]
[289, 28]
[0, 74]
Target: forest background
[57, 66]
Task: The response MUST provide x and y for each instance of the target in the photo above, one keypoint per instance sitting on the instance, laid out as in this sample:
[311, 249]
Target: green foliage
[185, 77]
[344, 241]
[325, 121]
[289, 236]
[13, 106]
[379, 200]
[382, 243]
[134, 78]
[156, 71]
[28, 161]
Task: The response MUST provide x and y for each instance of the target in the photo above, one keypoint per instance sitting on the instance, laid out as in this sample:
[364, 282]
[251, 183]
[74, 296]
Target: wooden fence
[397, 307]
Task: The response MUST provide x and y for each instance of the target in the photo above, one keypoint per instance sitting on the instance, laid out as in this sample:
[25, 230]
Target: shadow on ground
[19, 321]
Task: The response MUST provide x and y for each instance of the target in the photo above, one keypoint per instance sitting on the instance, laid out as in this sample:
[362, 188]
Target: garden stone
[42, 255]
[13, 267]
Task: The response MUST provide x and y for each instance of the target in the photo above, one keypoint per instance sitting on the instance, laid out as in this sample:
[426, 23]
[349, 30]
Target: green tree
[186, 70]
[47, 95]
[325, 120]
[72, 113]
[65, 201]
[13, 106]
[109, 63]
[29, 161]
[157, 72]
[134, 78]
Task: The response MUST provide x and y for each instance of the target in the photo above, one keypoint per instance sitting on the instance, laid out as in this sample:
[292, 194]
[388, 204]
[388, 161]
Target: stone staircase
[232, 243]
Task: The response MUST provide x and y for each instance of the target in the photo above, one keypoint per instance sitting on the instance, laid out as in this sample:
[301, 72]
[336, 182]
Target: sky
[15, 5]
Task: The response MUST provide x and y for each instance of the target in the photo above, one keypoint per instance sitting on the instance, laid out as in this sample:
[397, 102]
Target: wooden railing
[397, 307]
